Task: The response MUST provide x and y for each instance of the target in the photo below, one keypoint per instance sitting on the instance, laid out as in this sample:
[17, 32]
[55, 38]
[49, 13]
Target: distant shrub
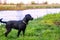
[33, 2]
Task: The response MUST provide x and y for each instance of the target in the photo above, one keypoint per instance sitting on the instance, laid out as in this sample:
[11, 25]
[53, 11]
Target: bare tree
[5, 1]
[0, 1]
[46, 2]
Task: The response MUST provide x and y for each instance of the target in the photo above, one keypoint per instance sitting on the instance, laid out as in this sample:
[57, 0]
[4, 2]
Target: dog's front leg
[23, 32]
[18, 33]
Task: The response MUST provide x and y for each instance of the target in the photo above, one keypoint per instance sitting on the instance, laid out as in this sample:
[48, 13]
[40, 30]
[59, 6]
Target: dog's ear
[1, 19]
[28, 17]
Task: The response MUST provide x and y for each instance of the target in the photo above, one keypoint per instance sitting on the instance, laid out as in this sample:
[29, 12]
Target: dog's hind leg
[18, 33]
[7, 32]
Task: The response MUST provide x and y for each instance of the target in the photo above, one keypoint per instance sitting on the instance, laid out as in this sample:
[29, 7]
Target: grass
[38, 29]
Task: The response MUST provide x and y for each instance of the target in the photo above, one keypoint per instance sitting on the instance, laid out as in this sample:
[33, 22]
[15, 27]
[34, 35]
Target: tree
[33, 2]
[21, 3]
[46, 2]
[4, 1]
[12, 3]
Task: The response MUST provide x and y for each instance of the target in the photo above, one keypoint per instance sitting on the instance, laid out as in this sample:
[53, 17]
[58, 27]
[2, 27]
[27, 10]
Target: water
[19, 15]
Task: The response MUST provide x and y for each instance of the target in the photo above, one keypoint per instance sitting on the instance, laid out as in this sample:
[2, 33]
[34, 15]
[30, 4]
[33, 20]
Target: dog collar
[24, 22]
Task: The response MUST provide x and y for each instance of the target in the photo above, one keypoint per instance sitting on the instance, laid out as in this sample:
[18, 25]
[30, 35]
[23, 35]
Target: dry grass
[23, 7]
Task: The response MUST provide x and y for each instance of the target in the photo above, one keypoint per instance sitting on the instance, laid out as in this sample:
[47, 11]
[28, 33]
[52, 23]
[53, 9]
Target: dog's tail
[2, 21]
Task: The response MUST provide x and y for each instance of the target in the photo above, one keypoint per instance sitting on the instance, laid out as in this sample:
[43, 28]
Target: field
[28, 6]
[44, 28]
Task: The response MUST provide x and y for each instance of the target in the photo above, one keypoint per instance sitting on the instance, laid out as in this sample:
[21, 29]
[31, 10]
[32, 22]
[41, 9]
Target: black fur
[19, 25]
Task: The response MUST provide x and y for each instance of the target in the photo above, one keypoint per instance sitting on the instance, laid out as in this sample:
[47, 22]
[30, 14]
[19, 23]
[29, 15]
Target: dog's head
[29, 17]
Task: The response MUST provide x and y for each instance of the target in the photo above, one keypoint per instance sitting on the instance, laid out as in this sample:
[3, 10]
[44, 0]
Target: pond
[19, 15]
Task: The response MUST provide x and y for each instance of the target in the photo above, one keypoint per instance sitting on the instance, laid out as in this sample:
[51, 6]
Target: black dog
[19, 25]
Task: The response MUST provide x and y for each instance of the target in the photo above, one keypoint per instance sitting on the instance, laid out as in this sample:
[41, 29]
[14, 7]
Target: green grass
[38, 29]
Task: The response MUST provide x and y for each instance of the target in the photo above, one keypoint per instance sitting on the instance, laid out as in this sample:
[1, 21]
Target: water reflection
[18, 15]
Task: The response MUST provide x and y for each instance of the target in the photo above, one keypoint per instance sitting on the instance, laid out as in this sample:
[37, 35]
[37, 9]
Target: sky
[29, 1]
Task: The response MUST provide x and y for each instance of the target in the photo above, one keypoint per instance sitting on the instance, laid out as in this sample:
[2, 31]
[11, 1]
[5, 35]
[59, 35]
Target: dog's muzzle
[31, 18]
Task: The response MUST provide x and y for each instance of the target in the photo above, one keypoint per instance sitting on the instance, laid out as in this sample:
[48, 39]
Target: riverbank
[23, 7]
[45, 28]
